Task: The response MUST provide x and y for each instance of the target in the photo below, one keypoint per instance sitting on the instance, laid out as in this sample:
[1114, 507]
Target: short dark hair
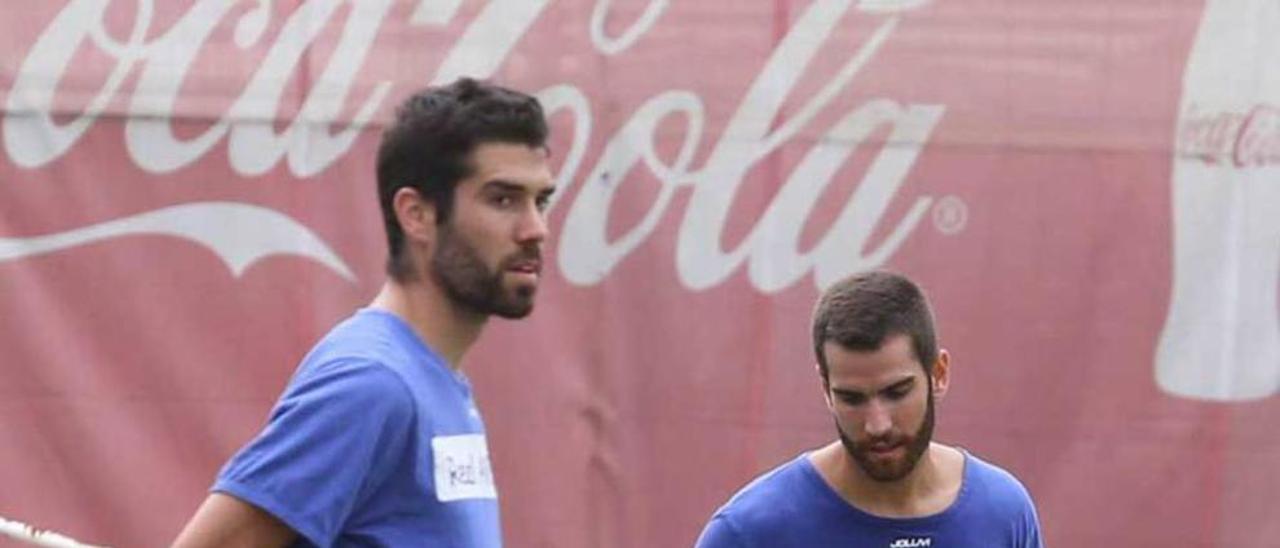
[428, 147]
[861, 311]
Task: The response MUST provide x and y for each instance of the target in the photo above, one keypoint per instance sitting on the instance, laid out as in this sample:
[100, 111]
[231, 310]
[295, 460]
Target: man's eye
[898, 393]
[542, 202]
[503, 200]
[853, 399]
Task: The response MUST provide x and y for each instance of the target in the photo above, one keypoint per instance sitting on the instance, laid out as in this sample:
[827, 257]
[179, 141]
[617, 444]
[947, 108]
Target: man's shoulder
[759, 500]
[368, 338]
[782, 507]
[998, 502]
[995, 485]
[366, 333]
[357, 360]
[350, 381]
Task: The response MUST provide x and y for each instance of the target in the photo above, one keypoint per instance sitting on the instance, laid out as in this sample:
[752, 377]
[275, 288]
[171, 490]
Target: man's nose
[878, 420]
[532, 228]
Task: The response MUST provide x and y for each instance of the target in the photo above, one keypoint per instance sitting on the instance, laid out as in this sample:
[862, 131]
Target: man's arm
[223, 520]
[336, 429]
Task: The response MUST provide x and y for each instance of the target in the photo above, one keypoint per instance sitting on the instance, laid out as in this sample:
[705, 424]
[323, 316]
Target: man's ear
[416, 215]
[941, 378]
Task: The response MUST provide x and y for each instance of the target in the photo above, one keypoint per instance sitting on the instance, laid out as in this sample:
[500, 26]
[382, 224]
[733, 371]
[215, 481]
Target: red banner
[1087, 190]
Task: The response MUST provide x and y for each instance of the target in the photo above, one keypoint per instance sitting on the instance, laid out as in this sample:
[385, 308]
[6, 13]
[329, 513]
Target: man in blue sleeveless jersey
[376, 441]
[884, 483]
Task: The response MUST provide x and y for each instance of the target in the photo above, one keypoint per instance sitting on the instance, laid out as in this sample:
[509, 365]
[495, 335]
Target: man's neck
[930, 488]
[442, 325]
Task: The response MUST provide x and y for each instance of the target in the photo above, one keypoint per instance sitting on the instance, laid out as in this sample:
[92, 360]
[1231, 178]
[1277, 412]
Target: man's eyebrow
[503, 185]
[849, 392]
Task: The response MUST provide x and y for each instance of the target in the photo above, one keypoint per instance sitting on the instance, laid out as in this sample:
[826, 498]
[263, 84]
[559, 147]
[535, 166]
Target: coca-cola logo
[1241, 139]
[162, 60]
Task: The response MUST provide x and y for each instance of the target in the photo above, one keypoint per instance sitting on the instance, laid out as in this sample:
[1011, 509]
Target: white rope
[39, 537]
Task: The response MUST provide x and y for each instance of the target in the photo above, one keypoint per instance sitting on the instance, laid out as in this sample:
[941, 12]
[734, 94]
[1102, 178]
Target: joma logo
[912, 543]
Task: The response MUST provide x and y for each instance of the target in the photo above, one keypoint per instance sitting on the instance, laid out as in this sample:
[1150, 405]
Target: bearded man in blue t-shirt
[376, 440]
[885, 483]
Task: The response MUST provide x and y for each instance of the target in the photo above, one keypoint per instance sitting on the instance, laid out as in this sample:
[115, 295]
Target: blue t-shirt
[375, 442]
[792, 506]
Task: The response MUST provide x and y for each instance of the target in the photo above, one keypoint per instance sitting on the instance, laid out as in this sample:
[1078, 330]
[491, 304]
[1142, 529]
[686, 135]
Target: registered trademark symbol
[950, 215]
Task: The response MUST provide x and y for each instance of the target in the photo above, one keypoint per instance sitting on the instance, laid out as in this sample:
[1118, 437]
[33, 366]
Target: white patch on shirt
[462, 468]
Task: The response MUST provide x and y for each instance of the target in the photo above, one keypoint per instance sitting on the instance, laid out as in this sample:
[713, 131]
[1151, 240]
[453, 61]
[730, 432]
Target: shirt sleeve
[1031, 527]
[1028, 522]
[328, 443]
[720, 533]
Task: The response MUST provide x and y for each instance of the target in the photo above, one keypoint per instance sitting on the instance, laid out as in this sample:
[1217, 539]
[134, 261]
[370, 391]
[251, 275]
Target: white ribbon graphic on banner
[239, 234]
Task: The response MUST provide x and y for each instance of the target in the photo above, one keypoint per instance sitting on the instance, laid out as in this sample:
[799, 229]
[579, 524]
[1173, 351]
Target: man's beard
[457, 267]
[899, 469]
